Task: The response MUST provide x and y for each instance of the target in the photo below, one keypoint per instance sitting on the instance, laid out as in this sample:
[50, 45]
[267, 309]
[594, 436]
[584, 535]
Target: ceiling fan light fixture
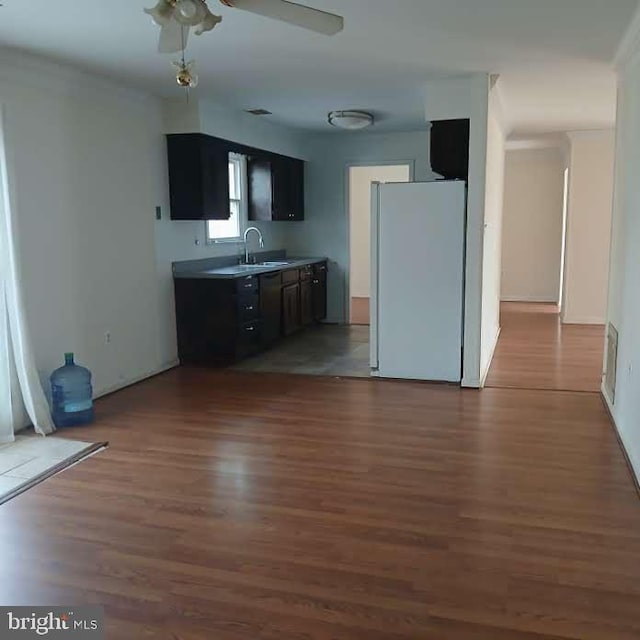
[350, 120]
[162, 13]
[186, 77]
[190, 12]
[209, 22]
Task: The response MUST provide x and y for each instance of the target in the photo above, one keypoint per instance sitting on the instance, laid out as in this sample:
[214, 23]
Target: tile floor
[326, 350]
[31, 455]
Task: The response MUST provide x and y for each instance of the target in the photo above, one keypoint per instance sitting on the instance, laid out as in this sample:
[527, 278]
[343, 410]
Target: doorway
[555, 254]
[360, 180]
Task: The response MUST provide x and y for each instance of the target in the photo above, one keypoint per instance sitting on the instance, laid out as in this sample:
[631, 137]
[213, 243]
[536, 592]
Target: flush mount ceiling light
[176, 17]
[350, 120]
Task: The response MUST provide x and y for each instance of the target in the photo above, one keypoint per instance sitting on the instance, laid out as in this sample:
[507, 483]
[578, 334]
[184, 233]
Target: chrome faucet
[246, 245]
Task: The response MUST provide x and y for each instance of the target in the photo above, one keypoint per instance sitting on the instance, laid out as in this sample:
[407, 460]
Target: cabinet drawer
[306, 273]
[320, 269]
[293, 275]
[249, 338]
[248, 307]
[247, 284]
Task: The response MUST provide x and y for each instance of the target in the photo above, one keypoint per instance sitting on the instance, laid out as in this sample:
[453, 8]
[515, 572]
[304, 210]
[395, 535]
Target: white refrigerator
[417, 284]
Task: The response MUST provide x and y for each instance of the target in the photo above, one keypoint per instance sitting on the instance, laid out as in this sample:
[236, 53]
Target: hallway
[536, 351]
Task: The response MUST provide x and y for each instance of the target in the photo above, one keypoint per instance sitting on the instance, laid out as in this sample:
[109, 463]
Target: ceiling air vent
[259, 112]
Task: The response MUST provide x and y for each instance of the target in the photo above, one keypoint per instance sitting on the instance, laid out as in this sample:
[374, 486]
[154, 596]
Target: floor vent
[612, 363]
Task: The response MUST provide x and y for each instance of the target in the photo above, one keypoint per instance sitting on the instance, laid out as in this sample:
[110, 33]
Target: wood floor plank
[233, 505]
[360, 309]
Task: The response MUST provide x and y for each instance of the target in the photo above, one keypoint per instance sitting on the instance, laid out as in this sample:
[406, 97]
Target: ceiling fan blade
[173, 37]
[292, 13]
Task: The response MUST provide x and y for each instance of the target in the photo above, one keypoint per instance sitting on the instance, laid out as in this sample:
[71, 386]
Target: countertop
[241, 270]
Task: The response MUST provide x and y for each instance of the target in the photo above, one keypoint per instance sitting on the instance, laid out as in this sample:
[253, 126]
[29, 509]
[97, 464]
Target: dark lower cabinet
[271, 307]
[290, 308]
[319, 292]
[217, 320]
[221, 321]
[306, 299]
[249, 339]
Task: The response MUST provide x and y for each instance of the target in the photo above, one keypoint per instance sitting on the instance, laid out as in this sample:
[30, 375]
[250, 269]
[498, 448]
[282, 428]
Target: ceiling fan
[176, 17]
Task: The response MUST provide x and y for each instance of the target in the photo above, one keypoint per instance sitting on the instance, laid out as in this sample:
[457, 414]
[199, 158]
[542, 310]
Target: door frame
[411, 163]
[565, 240]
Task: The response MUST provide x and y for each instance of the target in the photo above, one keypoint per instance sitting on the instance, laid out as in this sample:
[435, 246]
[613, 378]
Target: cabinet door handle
[248, 329]
[248, 286]
[316, 282]
[248, 308]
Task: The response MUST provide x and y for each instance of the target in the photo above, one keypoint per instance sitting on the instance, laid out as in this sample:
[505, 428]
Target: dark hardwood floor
[237, 506]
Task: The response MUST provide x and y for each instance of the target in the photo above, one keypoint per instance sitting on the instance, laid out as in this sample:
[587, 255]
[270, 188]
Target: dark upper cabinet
[260, 188]
[288, 188]
[198, 177]
[276, 187]
[450, 148]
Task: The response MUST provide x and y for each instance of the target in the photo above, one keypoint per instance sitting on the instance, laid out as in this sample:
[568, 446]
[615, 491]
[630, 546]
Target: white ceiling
[554, 55]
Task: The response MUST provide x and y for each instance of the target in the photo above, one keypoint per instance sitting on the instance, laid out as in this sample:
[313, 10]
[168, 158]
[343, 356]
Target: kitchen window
[231, 230]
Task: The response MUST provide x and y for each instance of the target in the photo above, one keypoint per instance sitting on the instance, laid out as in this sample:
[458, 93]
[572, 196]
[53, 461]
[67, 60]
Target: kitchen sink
[275, 263]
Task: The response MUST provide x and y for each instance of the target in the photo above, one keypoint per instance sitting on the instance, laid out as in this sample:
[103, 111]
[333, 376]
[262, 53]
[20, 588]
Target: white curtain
[17, 366]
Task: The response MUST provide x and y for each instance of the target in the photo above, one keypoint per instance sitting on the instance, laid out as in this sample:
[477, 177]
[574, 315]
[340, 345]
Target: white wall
[589, 227]
[468, 97]
[624, 290]
[360, 179]
[492, 238]
[532, 226]
[88, 163]
[325, 230]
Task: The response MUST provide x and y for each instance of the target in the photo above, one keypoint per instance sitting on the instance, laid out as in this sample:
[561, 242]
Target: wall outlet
[107, 337]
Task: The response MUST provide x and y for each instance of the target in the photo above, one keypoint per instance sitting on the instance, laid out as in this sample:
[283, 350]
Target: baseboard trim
[634, 469]
[109, 390]
[130, 382]
[485, 373]
[529, 299]
[593, 321]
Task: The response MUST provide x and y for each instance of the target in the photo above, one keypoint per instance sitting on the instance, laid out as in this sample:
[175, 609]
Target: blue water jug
[71, 394]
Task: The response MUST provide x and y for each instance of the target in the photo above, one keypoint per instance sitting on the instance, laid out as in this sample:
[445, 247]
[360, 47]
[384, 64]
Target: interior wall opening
[558, 198]
[360, 180]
